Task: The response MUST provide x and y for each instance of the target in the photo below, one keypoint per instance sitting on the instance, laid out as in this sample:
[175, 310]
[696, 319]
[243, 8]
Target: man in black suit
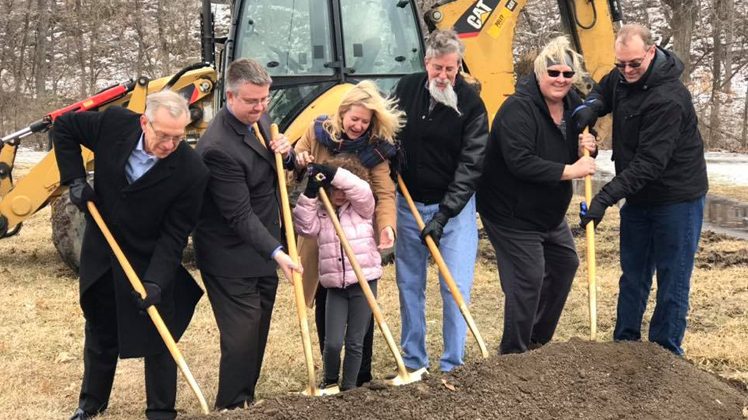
[238, 236]
[148, 187]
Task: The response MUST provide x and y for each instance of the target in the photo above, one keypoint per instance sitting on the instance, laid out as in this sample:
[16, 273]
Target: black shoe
[236, 406]
[327, 384]
[81, 414]
[362, 379]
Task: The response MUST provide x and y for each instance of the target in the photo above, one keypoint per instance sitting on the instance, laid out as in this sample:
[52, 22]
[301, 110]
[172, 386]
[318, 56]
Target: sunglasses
[632, 64]
[555, 73]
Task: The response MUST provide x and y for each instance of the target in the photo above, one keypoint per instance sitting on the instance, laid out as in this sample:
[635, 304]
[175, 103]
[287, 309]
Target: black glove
[327, 172]
[584, 116]
[596, 210]
[312, 187]
[81, 193]
[152, 296]
[434, 228]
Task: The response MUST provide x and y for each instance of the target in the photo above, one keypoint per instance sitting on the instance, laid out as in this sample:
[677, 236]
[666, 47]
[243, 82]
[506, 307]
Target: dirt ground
[41, 341]
[572, 380]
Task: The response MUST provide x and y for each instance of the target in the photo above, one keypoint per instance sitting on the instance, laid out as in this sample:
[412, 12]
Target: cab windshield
[308, 46]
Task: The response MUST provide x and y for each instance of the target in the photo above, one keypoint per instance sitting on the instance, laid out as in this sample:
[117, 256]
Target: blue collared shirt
[139, 162]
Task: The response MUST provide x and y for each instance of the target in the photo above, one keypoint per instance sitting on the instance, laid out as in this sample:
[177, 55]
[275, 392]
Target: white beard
[446, 96]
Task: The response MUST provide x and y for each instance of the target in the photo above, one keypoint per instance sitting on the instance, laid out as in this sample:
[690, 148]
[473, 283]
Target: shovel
[444, 270]
[312, 388]
[403, 376]
[152, 311]
[591, 269]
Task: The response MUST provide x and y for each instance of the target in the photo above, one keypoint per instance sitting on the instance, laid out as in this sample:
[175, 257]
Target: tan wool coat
[385, 213]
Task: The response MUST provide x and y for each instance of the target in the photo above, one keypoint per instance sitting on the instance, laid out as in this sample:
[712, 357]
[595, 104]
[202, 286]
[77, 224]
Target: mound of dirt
[572, 380]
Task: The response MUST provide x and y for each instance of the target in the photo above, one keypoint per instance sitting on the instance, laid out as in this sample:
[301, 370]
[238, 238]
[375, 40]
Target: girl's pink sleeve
[305, 218]
[357, 191]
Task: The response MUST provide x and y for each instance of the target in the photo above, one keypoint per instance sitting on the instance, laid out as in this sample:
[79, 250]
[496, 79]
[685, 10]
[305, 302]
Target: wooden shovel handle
[444, 270]
[591, 268]
[298, 286]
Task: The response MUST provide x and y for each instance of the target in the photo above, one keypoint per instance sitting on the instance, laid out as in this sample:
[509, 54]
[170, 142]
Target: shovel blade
[407, 378]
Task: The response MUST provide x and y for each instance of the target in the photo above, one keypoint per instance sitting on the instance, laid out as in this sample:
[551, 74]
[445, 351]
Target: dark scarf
[371, 154]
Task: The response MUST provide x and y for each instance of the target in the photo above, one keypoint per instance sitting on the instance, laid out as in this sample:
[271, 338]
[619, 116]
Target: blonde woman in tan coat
[365, 124]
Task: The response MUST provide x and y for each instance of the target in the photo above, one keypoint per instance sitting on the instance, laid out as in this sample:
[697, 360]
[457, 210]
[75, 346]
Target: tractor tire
[68, 225]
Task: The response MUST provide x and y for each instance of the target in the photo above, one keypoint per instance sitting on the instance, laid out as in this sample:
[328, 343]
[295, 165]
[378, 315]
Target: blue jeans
[459, 247]
[663, 239]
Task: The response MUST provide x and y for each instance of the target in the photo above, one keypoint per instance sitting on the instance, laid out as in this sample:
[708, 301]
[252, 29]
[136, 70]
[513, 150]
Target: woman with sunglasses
[533, 153]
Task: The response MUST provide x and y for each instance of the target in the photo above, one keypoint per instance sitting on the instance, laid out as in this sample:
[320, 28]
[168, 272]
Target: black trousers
[243, 308]
[536, 270]
[100, 354]
[320, 303]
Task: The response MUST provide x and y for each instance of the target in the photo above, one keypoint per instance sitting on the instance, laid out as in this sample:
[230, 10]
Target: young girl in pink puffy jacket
[347, 314]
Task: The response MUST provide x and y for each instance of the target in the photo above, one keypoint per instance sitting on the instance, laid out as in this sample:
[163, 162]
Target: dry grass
[41, 336]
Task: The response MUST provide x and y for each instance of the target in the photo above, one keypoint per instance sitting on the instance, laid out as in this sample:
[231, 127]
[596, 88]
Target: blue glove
[584, 116]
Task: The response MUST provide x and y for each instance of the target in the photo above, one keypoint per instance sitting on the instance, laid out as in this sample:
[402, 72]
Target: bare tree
[715, 101]
[40, 52]
[682, 18]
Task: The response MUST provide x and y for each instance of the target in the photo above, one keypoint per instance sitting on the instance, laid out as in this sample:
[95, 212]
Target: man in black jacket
[533, 153]
[444, 139]
[661, 171]
[237, 240]
[148, 187]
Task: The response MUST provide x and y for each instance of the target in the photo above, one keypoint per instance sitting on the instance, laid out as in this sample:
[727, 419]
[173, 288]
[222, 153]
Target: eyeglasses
[164, 137]
[556, 73]
[254, 102]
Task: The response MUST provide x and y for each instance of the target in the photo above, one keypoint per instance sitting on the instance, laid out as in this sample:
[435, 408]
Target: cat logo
[475, 18]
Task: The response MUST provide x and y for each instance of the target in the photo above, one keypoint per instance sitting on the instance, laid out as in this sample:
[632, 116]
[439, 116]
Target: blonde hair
[386, 118]
[559, 51]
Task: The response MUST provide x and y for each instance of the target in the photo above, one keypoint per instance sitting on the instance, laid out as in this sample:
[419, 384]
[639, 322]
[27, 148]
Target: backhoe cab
[316, 49]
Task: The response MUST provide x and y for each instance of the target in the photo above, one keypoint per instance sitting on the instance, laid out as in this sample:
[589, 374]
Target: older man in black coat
[238, 237]
[148, 187]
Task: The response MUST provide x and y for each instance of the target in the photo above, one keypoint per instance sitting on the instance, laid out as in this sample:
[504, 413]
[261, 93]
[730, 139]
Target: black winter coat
[239, 227]
[521, 186]
[150, 219]
[444, 151]
[657, 147]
